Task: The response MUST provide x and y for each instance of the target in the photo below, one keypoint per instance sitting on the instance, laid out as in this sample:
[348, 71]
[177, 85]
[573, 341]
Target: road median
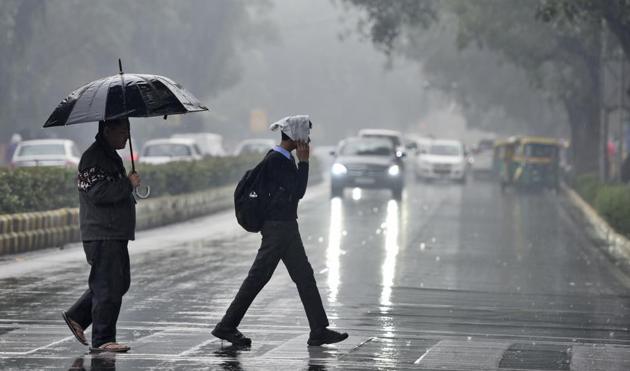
[24, 232]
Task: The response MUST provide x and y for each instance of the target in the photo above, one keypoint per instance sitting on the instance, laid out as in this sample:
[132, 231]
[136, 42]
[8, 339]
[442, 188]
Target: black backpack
[251, 198]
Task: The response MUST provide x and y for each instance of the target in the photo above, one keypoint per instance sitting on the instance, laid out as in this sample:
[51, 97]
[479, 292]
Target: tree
[559, 59]
[493, 95]
[616, 13]
[57, 45]
[18, 21]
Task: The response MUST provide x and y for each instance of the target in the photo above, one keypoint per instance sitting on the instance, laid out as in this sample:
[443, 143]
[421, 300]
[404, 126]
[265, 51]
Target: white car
[161, 151]
[393, 135]
[483, 163]
[445, 159]
[422, 144]
[209, 144]
[46, 152]
[254, 146]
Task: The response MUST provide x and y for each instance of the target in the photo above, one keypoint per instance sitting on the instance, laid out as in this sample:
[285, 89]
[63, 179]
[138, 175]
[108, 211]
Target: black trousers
[109, 281]
[280, 241]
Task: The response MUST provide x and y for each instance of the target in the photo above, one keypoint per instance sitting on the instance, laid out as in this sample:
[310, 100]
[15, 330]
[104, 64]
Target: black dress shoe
[326, 336]
[232, 335]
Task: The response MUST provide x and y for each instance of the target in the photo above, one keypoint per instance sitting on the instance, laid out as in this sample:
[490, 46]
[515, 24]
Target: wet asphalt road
[451, 278]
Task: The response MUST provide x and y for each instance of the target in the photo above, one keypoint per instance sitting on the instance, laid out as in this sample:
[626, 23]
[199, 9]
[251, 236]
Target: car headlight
[338, 169]
[393, 170]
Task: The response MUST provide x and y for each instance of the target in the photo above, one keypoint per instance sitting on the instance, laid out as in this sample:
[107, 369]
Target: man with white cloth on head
[281, 239]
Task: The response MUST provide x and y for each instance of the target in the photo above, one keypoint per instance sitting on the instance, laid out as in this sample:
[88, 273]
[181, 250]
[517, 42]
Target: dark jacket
[107, 208]
[288, 183]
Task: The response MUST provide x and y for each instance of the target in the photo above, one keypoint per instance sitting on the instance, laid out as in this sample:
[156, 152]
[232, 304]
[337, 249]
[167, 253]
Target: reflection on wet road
[452, 277]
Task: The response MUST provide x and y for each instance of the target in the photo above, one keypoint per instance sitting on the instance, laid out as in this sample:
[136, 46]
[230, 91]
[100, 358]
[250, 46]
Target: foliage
[612, 201]
[616, 14]
[52, 47]
[37, 189]
[492, 94]
[560, 59]
[613, 204]
[587, 186]
[387, 19]
[47, 188]
[185, 177]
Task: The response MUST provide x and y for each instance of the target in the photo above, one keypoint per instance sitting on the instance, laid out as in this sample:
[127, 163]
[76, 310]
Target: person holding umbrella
[107, 211]
[108, 218]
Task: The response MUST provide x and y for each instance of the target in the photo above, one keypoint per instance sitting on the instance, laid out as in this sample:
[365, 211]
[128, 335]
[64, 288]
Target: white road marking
[464, 355]
[196, 348]
[422, 357]
[598, 357]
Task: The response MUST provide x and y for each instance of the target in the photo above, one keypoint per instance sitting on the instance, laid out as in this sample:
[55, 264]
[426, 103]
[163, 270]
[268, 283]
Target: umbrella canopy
[124, 95]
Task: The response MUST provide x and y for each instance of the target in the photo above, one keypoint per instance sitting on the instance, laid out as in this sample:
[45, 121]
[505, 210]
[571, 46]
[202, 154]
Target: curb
[613, 244]
[26, 232]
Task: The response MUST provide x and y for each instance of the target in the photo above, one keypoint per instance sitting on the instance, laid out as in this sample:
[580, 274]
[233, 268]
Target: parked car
[46, 152]
[366, 162]
[254, 146]
[161, 151]
[445, 159]
[210, 144]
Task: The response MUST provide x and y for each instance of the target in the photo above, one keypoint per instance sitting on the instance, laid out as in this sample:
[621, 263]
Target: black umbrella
[124, 95]
[106, 99]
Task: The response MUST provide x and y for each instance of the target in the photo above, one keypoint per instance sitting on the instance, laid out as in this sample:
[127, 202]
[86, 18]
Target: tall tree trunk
[585, 136]
[26, 14]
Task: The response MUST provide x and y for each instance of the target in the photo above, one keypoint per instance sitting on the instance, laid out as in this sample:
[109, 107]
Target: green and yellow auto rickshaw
[502, 162]
[529, 163]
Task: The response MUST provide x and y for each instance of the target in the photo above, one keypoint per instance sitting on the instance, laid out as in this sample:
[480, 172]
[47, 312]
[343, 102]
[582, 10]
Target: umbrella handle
[136, 190]
[142, 194]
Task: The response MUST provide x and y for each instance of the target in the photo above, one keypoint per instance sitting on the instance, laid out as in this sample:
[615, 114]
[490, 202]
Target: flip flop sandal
[75, 328]
[110, 347]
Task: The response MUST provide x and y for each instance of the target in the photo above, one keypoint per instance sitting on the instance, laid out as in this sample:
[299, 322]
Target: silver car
[46, 152]
[162, 151]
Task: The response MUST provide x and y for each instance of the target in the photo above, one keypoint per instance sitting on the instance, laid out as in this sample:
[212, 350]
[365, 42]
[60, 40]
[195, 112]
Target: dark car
[366, 162]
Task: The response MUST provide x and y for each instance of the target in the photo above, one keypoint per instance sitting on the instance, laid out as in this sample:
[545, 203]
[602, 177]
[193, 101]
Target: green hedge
[47, 188]
[612, 201]
[185, 177]
[37, 189]
[587, 187]
[613, 204]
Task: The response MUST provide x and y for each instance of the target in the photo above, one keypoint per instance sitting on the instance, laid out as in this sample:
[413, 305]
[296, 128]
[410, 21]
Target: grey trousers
[109, 280]
[280, 241]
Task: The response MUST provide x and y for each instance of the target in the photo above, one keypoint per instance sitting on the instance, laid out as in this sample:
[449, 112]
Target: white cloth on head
[296, 127]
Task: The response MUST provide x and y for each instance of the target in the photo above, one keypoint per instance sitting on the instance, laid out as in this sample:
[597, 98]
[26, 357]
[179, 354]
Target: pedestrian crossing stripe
[499, 355]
